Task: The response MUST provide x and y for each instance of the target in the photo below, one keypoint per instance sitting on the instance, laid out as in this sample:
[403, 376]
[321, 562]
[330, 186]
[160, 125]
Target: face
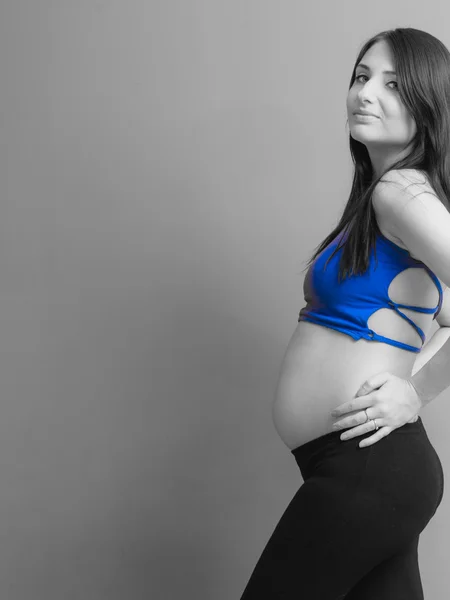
[388, 134]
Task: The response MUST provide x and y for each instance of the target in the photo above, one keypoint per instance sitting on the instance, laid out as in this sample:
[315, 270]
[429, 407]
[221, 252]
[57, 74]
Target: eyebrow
[368, 68]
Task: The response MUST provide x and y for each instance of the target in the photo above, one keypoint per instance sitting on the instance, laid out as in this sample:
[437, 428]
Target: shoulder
[416, 216]
[401, 197]
[402, 184]
[406, 190]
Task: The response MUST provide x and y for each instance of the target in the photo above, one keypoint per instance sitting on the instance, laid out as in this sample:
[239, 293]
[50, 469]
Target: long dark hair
[422, 63]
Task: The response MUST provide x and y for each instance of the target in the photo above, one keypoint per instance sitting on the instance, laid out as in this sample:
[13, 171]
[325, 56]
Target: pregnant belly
[321, 369]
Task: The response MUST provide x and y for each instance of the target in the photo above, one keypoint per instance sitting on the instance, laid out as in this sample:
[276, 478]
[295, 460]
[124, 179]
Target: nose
[366, 92]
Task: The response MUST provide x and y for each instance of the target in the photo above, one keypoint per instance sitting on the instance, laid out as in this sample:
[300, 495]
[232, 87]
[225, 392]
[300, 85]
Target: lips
[364, 113]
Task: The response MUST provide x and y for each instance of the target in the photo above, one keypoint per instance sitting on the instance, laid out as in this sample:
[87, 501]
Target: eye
[362, 75]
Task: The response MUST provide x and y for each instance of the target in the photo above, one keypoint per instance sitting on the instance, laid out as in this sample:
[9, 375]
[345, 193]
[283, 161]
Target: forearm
[431, 371]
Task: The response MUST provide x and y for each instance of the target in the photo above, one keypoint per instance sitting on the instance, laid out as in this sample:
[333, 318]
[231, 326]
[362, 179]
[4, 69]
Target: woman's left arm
[422, 223]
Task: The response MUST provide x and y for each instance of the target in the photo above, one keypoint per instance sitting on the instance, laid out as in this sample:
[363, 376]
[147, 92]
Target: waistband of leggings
[333, 437]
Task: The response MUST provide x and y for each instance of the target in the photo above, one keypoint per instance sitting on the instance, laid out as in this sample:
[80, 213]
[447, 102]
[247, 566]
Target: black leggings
[352, 529]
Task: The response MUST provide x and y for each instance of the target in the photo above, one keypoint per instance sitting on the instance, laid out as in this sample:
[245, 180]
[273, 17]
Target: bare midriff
[323, 368]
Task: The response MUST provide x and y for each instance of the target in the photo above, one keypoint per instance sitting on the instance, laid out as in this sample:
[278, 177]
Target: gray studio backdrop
[166, 170]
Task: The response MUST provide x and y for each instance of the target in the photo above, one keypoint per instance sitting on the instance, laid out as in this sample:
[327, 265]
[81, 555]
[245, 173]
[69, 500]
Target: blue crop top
[347, 306]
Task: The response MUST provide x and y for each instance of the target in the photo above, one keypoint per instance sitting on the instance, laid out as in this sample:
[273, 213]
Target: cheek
[400, 126]
[412, 127]
[351, 100]
[407, 122]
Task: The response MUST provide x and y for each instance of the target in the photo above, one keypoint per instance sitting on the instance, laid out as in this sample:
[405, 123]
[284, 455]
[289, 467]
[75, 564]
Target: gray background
[166, 168]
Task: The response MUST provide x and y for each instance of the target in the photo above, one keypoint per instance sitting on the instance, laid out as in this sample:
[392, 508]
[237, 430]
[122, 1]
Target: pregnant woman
[354, 376]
